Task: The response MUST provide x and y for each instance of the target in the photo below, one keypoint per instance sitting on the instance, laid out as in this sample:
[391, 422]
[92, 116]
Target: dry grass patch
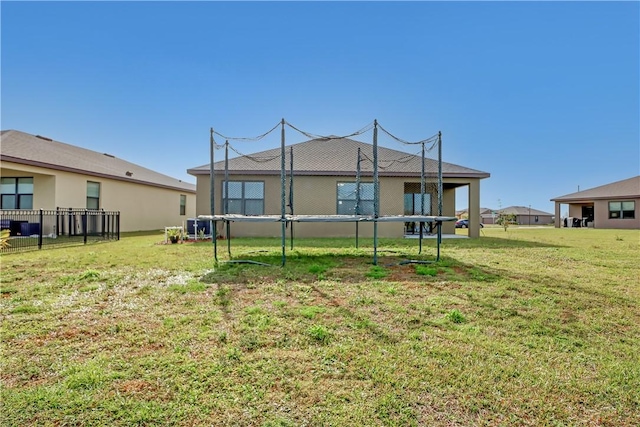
[529, 327]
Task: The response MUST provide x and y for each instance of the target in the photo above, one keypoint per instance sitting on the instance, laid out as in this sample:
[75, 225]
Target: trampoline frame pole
[357, 210]
[376, 191]
[439, 192]
[226, 196]
[283, 196]
[291, 194]
[212, 204]
[421, 198]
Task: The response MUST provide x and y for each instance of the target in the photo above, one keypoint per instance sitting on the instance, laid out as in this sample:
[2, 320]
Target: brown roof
[23, 148]
[335, 156]
[627, 188]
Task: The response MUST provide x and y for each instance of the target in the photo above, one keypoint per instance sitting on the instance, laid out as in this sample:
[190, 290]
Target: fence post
[103, 222]
[41, 229]
[118, 224]
[84, 226]
[71, 224]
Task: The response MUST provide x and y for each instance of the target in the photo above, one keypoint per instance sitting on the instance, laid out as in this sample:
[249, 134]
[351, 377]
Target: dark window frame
[93, 198]
[183, 204]
[364, 202]
[415, 204]
[243, 200]
[619, 212]
[19, 198]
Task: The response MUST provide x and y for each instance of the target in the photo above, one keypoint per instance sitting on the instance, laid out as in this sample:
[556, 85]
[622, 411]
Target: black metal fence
[40, 229]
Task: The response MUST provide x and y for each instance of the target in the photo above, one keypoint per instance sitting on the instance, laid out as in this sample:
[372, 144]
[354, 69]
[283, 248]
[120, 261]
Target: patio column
[474, 208]
[557, 219]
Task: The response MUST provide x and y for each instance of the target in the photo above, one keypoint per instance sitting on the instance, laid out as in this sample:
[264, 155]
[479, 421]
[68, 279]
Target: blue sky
[542, 95]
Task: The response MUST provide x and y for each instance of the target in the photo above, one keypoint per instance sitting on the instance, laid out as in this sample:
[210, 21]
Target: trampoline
[361, 203]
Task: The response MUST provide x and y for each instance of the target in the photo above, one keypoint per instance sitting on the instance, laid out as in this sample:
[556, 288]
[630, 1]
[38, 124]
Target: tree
[505, 219]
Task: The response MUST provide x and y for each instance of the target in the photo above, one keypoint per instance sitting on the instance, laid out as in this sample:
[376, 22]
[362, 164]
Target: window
[245, 197]
[622, 210]
[93, 195]
[183, 204]
[17, 193]
[412, 204]
[347, 198]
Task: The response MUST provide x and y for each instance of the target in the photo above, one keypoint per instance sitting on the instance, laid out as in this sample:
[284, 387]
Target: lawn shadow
[497, 243]
[258, 261]
[270, 244]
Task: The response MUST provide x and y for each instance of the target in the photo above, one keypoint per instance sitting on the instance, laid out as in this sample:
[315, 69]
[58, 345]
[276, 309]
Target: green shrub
[311, 311]
[4, 239]
[319, 333]
[426, 270]
[455, 316]
[376, 272]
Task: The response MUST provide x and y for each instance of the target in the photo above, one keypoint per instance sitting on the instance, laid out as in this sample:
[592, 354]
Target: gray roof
[521, 210]
[466, 210]
[335, 156]
[627, 188]
[23, 148]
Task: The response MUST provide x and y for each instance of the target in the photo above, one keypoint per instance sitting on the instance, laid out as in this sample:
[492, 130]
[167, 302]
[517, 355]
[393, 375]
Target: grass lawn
[533, 326]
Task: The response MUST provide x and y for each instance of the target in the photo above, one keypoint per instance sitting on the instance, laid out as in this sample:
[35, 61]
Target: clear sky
[542, 95]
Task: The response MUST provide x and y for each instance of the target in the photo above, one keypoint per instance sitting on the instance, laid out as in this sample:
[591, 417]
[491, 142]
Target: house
[323, 182]
[614, 205]
[464, 213]
[40, 173]
[524, 215]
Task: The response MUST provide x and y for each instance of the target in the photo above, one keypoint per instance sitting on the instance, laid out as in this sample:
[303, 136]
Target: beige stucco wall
[601, 214]
[473, 203]
[142, 207]
[449, 209]
[575, 210]
[317, 195]
[43, 183]
[531, 220]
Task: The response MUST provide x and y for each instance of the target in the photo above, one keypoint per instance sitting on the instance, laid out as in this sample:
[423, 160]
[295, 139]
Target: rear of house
[524, 215]
[613, 206]
[324, 183]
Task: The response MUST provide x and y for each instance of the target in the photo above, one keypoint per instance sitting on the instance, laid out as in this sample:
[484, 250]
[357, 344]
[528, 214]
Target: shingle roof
[466, 210]
[620, 189]
[24, 148]
[522, 210]
[336, 156]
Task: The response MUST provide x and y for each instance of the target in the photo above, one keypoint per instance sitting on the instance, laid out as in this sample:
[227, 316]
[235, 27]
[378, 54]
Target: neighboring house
[39, 173]
[464, 213]
[324, 175]
[524, 215]
[614, 205]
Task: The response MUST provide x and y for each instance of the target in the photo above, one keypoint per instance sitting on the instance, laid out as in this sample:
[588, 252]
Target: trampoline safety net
[290, 183]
